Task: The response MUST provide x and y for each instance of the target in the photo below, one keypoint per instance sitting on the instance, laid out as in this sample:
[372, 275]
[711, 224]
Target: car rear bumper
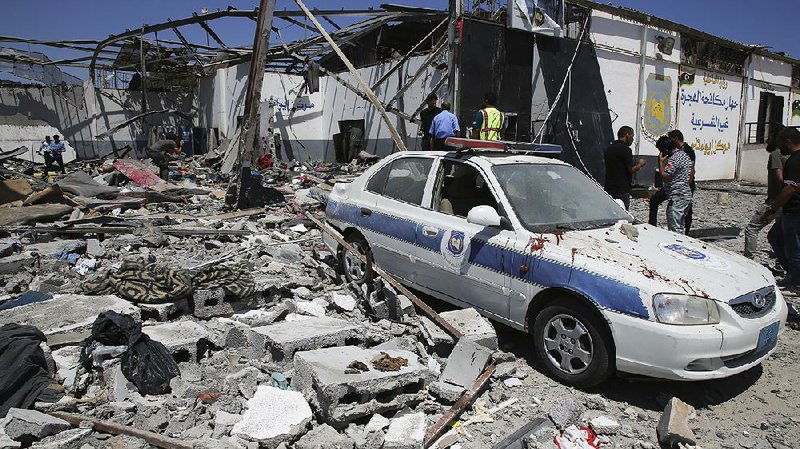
[693, 352]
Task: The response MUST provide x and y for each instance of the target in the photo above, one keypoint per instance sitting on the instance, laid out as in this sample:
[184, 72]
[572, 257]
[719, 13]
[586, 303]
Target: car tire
[572, 344]
[354, 270]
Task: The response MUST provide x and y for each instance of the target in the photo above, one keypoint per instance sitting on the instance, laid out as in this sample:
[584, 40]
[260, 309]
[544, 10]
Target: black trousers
[51, 160]
[656, 201]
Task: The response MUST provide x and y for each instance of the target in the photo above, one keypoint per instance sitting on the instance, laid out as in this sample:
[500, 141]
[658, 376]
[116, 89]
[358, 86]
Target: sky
[774, 25]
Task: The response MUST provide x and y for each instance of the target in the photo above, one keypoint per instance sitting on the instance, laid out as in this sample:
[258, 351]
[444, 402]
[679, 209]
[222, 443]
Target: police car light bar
[462, 144]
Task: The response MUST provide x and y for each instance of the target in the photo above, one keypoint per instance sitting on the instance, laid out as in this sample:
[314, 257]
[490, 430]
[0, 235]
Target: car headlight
[681, 309]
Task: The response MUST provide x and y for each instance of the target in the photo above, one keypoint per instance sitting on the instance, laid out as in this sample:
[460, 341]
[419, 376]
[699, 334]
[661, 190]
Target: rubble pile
[159, 311]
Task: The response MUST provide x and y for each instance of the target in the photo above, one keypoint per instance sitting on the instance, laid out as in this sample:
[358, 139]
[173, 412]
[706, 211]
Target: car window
[460, 187]
[404, 179]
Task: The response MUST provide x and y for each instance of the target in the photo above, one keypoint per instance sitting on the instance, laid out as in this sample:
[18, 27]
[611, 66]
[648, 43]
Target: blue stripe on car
[602, 290]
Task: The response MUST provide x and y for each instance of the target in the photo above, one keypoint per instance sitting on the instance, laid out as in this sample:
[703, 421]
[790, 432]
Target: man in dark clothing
[661, 196]
[164, 151]
[620, 166]
[52, 155]
[775, 165]
[786, 243]
[426, 117]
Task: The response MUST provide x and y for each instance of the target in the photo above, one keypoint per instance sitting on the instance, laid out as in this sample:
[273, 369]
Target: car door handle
[428, 231]
[366, 212]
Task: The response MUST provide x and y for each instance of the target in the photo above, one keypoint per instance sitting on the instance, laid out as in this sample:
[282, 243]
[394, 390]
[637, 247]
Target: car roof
[489, 157]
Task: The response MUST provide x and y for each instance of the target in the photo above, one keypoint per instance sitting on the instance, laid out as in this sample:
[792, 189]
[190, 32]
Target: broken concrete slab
[14, 190]
[603, 425]
[341, 398]
[283, 339]
[165, 311]
[67, 319]
[31, 215]
[29, 425]
[68, 439]
[673, 426]
[406, 432]
[94, 248]
[565, 411]
[343, 302]
[377, 423]
[274, 416]
[223, 422]
[465, 363]
[17, 262]
[211, 303]
[186, 340]
[324, 437]
[446, 392]
[472, 324]
[67, 360]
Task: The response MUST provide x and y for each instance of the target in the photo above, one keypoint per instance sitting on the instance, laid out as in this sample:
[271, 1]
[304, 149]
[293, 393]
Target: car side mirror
[484, 216]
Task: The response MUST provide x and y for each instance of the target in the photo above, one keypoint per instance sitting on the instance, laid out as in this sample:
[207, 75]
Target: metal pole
[743, 117]
[456, 12]
[143, 69]
[398, 141]
[255, 80]
[640, 99]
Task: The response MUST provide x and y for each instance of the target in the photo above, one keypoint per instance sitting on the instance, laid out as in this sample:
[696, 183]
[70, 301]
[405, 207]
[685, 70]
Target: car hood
[660, 261]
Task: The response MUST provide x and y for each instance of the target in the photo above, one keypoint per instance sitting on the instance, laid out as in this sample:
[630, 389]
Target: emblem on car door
[455, 248]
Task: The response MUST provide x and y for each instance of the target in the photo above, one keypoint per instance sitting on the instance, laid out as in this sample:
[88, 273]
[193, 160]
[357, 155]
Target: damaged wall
[80, 117]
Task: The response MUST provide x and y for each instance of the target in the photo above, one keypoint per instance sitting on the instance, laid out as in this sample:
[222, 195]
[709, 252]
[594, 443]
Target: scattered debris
[673, 427]
[384, 362]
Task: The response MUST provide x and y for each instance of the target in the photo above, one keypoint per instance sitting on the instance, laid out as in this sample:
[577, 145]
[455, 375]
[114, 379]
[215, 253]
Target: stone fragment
[474, 327]
[565, 411]
[324, 437]
[406, 432]
[310, 308]
[68, 439]
[14, 263]
[210, 303]
[604, 425]
[673, 427]
[283, 339]
[465, 363]
[186, 340]
[341, 398]
[343, 302]
[94, 248]
[223, 422]
[446, 392]
[377, 423]
[167, 311]
[274, 416]
[29, 425]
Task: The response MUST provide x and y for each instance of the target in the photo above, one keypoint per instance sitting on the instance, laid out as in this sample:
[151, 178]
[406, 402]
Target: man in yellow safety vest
[489, 123]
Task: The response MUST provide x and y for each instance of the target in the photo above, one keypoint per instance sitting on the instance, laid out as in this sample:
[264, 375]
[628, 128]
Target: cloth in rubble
[139, 282]
[24, 378]
[147, 363]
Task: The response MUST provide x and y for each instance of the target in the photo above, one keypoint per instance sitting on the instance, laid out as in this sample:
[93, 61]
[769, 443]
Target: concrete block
[68, 439]
[341, 398]
[232, 334]
[118, 389]
[310, 308]
[211, 303]
[67, 319]
[94, 248]
[604, 425]
[16, 262]
[406, 432]
[446, 392]
[474, 326]
[343, 302]
[168, 311]
[29, 425]
[565, 411]
[283, 339]
[324, 437]
[223, 422]
[673, 427]
[274, 416]
[465, 363]
[377, 423]
[186, 340]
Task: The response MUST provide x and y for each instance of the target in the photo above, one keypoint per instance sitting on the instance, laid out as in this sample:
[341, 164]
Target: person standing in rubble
[164, 151]
[489, 122]
[444, 125]
[52, 154]
[620, 166]
[675, 168]
[661, 196]
[426, 117]
[775, 165]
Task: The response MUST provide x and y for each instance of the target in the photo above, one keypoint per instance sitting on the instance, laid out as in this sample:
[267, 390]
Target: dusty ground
[759, 408]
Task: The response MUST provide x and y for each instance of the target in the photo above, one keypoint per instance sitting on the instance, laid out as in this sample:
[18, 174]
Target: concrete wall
[79, 116]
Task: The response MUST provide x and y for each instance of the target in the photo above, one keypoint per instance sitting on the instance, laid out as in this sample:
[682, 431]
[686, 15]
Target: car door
[464, 261]
[398, 190]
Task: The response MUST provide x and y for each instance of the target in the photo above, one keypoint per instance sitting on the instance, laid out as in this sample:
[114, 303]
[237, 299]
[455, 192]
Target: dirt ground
[759, 408]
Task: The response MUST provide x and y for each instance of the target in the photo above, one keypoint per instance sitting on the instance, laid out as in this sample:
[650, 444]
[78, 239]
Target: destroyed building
[143, 312]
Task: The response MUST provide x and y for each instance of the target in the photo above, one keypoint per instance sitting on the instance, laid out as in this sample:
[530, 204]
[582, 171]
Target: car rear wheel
[572, 344]
[355, 270]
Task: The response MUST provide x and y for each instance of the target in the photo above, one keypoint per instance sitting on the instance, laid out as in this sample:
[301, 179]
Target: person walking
[489, 122]
[675, 171]
[786, 241]
[426, 118]
[775, 165]
[444, 125]
[620, 166]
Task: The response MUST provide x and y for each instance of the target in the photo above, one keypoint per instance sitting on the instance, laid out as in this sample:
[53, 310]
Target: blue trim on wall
[604, 291]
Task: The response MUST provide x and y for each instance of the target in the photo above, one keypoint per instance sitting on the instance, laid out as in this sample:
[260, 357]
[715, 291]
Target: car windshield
[548, 198]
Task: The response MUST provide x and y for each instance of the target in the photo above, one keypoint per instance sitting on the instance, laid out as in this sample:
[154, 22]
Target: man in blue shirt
[444, 125]
[52, 155]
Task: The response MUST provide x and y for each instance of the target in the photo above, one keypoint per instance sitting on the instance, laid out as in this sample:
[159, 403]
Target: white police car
[533, 243]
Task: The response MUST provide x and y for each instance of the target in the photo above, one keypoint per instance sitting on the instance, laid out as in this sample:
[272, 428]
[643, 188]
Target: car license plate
[768, 337]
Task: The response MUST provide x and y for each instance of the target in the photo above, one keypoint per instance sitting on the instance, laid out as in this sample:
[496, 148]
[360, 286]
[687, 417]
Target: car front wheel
[572, 344]
[355, 270]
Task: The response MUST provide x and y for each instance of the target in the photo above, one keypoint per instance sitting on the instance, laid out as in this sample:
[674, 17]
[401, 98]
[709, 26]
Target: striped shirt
[679, 166]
